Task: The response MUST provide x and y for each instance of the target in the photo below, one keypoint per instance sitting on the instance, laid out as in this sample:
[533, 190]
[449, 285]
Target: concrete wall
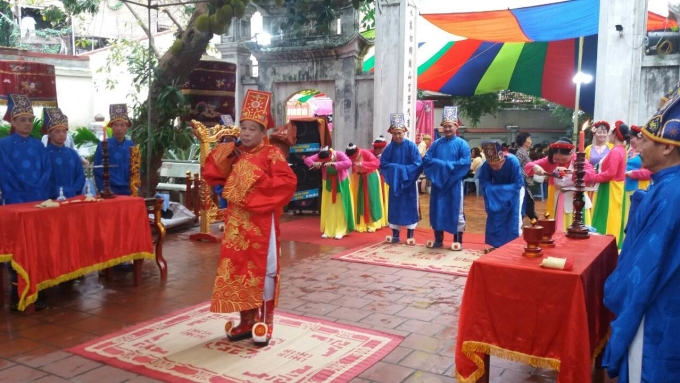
[366, 133]
[659, 75]
[619, 60]
[124, 91]
[73, 79]
[521, 118]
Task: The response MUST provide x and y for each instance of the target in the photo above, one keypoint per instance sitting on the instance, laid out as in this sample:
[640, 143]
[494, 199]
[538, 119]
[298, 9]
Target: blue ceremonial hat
[17, 105]
[450, 114]
[118, 112]
[397, 122]
[493, 150]
[53, 118]
[664, 126]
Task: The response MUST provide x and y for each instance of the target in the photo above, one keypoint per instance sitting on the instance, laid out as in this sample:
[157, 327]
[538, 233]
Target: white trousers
[272, 259]
[635, 355]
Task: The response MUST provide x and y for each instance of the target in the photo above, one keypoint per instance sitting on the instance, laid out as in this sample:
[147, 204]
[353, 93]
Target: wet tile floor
[422, 307]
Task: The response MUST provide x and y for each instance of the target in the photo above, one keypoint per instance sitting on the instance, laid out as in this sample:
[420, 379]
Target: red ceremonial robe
[259, 184]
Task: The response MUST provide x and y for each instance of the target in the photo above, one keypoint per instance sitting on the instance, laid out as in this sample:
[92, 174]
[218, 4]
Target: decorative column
[395, 76]
[619, 60]
[238, 54]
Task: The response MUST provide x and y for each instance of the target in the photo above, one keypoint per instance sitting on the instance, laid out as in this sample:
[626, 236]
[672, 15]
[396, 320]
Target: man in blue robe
[119, 153]
[445, 164]
[68, 176]
[502, 184]
[400, 166]
[643, 291]
[25, 167]
[25, 171]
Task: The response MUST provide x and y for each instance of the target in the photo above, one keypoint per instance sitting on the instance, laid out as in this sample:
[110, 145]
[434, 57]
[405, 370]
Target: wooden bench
[172, 171]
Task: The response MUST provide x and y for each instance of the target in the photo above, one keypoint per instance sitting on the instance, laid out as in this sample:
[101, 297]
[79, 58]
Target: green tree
[7, 25]
[474, 107]
[566, 116]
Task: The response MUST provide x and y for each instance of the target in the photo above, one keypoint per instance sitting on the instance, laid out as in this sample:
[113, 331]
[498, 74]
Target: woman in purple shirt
[600, 147]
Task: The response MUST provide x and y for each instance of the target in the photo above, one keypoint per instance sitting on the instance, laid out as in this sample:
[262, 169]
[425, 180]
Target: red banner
[210, 89]
[37, 81]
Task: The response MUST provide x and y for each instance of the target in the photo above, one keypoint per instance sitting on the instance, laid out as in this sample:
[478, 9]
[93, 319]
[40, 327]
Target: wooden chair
[154, 206]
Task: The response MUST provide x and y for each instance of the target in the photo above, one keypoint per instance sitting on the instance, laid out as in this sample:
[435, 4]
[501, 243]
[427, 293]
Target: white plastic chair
[474, 180]
[541, 186]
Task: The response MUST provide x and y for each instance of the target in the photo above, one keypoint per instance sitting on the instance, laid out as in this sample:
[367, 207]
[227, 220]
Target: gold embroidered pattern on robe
[275, 155]
[235, 292]
[242, 178]
[238, 223]
[221, 158]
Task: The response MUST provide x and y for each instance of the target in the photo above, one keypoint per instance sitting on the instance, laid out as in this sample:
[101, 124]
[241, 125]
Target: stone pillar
[395, 78]
[619, 60]
[238, 54]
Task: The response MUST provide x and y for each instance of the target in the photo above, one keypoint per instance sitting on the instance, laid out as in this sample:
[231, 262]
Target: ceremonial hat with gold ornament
[493, 150]
[118, 112]
[53, 118]
[397, 122]
[450, 114]
[257, 107]
[664, 126]
[18, 105]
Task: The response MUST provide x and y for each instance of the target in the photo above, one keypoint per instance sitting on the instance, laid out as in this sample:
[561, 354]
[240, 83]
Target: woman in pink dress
[559, 167]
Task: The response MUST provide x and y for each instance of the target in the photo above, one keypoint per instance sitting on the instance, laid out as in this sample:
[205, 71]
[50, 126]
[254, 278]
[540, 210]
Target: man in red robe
[258, 183]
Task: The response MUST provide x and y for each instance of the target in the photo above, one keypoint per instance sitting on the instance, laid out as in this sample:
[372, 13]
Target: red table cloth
[52, 245]
[514, 309]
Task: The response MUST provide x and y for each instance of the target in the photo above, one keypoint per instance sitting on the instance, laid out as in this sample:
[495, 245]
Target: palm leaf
[84, 136]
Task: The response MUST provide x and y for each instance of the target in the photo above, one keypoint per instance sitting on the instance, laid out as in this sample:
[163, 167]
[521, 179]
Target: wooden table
[53, 245]
[514, 309]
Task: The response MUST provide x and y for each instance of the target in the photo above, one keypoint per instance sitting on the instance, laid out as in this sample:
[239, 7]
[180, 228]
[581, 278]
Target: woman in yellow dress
[337, 211]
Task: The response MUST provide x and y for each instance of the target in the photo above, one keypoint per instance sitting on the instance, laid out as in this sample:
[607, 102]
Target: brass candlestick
[578, 230]
[106, 193]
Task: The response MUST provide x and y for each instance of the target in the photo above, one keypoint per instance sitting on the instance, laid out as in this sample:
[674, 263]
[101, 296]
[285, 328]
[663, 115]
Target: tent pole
[574, 137]
[149, 149]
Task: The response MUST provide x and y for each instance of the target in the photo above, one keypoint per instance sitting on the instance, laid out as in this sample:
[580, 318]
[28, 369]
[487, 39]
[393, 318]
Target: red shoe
[262, 331]
[244, 328]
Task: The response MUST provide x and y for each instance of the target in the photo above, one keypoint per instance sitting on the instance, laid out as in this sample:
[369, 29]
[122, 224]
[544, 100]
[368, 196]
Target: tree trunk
[175, 68]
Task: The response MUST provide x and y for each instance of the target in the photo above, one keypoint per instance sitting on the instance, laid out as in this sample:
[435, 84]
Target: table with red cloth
[48, 246]
[514, 309]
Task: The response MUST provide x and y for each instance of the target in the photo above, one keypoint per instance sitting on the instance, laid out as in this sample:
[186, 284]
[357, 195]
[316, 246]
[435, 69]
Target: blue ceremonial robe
[503, 192]
[646, 283]
[67, 171]
[445, 164]
[119, 175]
[400, 166]
[25, 169]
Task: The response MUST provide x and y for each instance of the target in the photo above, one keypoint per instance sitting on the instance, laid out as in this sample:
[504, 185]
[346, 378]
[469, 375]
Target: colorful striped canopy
[541, 69]
[545, 22]
[560, 20]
